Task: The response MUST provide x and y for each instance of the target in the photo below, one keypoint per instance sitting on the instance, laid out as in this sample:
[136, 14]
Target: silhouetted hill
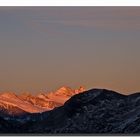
[97, 111]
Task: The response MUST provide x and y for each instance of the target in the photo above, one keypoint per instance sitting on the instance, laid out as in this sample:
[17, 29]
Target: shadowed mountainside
[97, 111]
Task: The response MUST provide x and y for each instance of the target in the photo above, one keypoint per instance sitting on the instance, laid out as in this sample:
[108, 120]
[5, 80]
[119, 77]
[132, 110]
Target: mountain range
[96, 111]
[13, 104]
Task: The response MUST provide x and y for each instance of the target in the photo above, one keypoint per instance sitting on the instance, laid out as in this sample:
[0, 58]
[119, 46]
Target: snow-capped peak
[40, 102]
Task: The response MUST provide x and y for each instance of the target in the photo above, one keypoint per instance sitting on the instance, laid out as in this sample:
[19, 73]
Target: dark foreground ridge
[97, 111]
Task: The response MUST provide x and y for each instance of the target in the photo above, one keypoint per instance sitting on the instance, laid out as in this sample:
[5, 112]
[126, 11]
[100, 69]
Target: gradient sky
[45, 48]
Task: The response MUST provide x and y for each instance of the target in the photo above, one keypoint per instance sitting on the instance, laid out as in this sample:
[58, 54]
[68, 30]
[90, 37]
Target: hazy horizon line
[73, 88]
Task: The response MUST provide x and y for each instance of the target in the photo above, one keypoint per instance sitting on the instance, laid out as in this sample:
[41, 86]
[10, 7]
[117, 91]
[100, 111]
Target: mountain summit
[19, 104]
[96, 111]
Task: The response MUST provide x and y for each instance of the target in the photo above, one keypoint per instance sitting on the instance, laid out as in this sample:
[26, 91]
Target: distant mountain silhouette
[97, 111]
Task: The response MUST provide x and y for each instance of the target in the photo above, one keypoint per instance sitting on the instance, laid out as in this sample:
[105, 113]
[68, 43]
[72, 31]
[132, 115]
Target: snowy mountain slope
[97, 111]
[8, 100]
[19, 104]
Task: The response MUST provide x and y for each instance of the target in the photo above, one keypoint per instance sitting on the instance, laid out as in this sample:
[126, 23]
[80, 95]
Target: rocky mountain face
[13, 104]
[97, 111]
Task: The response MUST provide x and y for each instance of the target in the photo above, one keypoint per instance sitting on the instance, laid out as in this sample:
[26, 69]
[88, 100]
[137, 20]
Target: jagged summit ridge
[26, 102]
[96, 111]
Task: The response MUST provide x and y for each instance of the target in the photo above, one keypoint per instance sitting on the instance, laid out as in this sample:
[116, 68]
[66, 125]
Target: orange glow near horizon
[42, 49]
